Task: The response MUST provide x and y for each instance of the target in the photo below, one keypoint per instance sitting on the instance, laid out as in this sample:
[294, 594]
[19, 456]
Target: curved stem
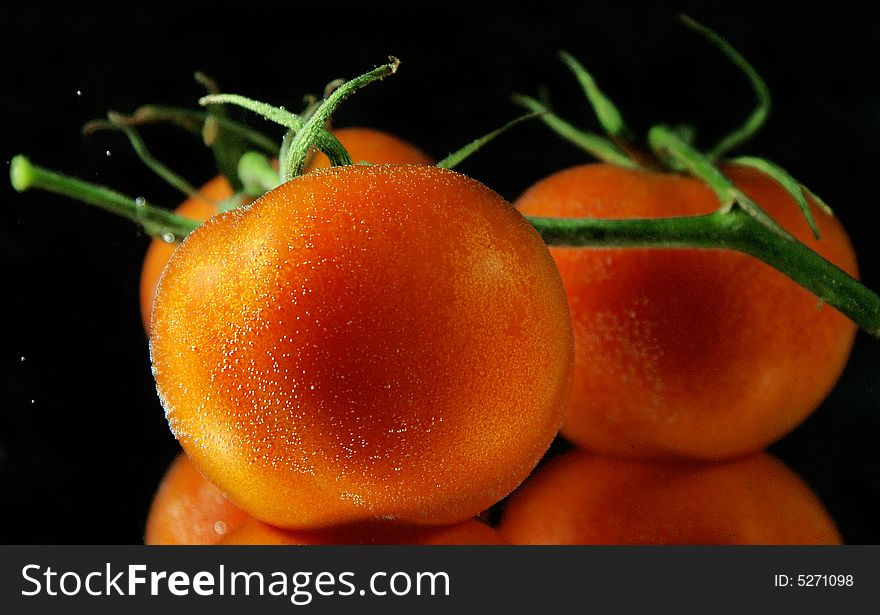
[140, 149]
[323, 140]
[309, 135]
[735, 229]
[192, 121]
[607, 113]
[597, 146]
[156, 221]
[460, 155]
[759, 114]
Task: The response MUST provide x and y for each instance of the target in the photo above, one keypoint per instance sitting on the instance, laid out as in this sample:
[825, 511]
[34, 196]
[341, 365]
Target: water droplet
[220, 528]
[23, 359]
[140, 201]
[108, 153]
[79, 93]
[33, 401]
[168, 237]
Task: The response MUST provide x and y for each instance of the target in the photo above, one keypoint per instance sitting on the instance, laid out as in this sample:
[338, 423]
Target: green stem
[194, 120]
[669, 146]
[140, 149]
[323, 140]
[607, 113]
[308, 136]
[735, 229]
[758, 116]
[593, 144]
[257, 174]
[460, 155]
[156, 221]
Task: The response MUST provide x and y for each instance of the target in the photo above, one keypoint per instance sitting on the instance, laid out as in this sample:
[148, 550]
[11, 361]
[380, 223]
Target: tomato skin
[188, 510]
[387, 341]
[363, 144]
[158, 252]
[684, 353]
[371, 145]
[579, 498]
[470, 532]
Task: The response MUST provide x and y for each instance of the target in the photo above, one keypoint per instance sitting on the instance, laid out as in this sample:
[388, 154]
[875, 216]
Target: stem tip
[21, 173]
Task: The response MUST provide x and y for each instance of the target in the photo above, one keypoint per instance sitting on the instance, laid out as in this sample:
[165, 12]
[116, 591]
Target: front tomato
[364, 342]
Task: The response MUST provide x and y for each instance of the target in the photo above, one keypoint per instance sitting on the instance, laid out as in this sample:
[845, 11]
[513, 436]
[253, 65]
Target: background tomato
[696, 353]
[388, 341]
[370, 145]
[71, 270]
[188, 510]
[469, 532]
[582, 499]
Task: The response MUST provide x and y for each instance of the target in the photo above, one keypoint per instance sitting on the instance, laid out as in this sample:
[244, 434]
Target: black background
[83, 441]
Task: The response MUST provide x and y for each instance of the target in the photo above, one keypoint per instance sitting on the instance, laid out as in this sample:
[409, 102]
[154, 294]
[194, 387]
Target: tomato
[364, 342]
[469, 532]
[363, 144]
[189, 510]
[370, 145]
[578, 498]
[704, 354]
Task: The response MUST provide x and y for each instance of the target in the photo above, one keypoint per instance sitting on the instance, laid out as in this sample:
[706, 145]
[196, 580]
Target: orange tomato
[364, 342]
[704, 354]
[469, 532]
[363, 144]
[581, 499]
[189, 510]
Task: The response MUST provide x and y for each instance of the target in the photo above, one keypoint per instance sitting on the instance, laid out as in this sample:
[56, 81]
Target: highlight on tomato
[579, 498]
[364, 342]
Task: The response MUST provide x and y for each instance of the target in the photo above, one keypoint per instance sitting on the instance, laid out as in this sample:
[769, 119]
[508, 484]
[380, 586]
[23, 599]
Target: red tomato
[580, 499]
[364, 342]
[705, 354]
[189, 510]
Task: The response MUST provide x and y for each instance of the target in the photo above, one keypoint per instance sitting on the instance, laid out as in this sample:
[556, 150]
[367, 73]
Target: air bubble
[140, 201]
[168, 237]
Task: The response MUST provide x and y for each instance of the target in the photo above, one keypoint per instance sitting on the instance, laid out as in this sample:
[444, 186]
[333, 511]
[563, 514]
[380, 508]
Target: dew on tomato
[364, 342]
[363, 144]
